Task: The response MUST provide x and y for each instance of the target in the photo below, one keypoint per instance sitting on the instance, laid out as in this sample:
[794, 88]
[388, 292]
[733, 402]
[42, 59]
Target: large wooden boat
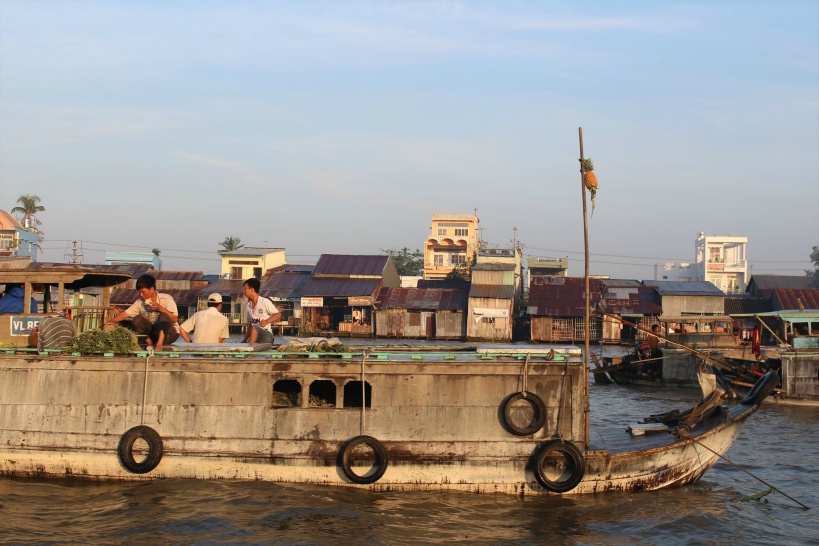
[512, 422]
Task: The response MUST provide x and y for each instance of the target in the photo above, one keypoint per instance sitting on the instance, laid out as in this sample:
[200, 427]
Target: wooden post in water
[586, 312]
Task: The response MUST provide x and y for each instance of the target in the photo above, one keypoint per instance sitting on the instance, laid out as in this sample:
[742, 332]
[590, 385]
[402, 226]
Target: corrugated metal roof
[630, 300]
[135, 270]
[422, 298]
[564, 300]
[685, 288]
[165, 275]
[285, 282]
[340, 287]
[494, 267]
[737, 305]
[294, 268]
[621, 282]
[765, 284]
[457, 284]
[345, 264]
[791, 299]
[227, 287]
[492, 291]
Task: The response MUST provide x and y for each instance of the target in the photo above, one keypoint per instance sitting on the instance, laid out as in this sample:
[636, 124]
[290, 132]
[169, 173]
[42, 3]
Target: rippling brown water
[778, 444]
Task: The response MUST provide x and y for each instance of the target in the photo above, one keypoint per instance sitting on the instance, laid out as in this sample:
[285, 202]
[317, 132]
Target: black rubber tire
[576, 466]
[126, 445]
[537, 404]
[379, 467]
[763, 387]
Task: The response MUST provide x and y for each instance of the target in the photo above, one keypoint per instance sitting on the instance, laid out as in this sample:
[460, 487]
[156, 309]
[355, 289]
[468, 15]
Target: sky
[340, 127]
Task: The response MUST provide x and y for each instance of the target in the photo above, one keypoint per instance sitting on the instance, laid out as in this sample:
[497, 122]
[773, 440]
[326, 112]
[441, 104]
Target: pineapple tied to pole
[590, 180]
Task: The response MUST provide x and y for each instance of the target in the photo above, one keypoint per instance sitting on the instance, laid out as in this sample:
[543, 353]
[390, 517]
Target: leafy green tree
[814, 258]
[27, 209]
[461, 272]
[408, 264]
[231, 243]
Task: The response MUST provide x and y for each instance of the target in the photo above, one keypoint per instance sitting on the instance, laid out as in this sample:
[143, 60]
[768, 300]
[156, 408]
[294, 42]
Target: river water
[779, 445]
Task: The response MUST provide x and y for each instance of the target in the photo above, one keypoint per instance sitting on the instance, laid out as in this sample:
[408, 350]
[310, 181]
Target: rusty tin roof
[422, 298]
[789, 299]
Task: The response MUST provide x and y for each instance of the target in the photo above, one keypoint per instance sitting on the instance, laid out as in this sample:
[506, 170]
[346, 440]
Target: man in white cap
[208, 326]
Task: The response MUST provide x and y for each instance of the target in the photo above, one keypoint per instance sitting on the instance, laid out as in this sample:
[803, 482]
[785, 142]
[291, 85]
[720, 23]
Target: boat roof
[792, 316]
[698, 318]
[72, 276]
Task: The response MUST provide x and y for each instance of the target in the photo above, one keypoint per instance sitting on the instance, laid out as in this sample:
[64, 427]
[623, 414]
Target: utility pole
[74, 254]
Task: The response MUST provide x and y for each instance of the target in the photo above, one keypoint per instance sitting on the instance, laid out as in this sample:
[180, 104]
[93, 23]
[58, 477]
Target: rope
[363, 395]
[729, 461]
[145, 385]
[526, 375]
[560, 400]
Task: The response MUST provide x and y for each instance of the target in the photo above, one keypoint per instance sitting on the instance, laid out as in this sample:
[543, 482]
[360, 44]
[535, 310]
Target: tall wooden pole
[586, 311]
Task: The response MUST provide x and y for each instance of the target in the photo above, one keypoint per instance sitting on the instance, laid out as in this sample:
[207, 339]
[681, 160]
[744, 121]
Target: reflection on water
[778, 444]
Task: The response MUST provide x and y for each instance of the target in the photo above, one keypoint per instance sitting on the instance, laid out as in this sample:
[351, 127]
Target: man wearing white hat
[208, 326]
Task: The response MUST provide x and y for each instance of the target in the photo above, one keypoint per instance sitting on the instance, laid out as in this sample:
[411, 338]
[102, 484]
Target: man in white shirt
[261, 314]
[208, 326]
[155, 315]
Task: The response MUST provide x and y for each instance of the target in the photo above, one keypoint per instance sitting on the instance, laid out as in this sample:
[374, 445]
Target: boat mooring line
[560, 398]
[145, 388]
[729, 461]
[363, 394]
[526, 374]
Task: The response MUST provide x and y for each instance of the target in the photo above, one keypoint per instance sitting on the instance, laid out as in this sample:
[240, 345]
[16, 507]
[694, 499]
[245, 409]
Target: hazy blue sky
[339, 127]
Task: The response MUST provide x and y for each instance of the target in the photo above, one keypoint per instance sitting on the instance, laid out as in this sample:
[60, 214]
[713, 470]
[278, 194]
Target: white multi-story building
[719, 259]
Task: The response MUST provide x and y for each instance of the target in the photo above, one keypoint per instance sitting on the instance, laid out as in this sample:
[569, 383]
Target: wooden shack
[429, 313]
[557, 309]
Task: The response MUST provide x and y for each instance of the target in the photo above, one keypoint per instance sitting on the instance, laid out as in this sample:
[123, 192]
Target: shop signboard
[312, 301]
[359, 300]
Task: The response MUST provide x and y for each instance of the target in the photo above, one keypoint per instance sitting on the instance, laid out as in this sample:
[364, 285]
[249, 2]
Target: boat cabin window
[322, 394]
[287, 393]
[800, 328]
[352, 394]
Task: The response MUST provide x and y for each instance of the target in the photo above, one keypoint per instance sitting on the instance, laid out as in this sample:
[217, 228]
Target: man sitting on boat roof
[208, 326]
[155, 315]
[12, 300]
[261, 314]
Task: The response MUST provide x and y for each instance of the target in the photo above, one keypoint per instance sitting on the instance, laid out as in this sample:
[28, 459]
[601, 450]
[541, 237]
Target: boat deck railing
[397, 356]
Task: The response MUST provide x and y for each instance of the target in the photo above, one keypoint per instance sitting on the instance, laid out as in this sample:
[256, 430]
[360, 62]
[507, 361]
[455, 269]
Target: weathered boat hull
[678, 369]
[800, 380]
[440, 420]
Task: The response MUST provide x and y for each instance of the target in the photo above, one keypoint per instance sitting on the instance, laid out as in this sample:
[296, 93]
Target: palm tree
[231, 243]
[27, 210]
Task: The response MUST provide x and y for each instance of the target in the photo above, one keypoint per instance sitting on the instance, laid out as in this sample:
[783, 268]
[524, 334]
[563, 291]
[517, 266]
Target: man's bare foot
[159, 341]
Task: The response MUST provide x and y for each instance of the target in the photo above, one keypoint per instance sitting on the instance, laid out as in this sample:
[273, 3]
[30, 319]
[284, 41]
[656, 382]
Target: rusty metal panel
[541, 329]
[792, 299]
[564, 299]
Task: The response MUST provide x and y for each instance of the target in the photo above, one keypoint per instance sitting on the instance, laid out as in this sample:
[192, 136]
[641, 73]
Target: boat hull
[440, 421]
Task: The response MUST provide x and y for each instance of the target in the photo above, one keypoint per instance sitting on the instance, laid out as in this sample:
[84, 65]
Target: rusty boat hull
[440, 421]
